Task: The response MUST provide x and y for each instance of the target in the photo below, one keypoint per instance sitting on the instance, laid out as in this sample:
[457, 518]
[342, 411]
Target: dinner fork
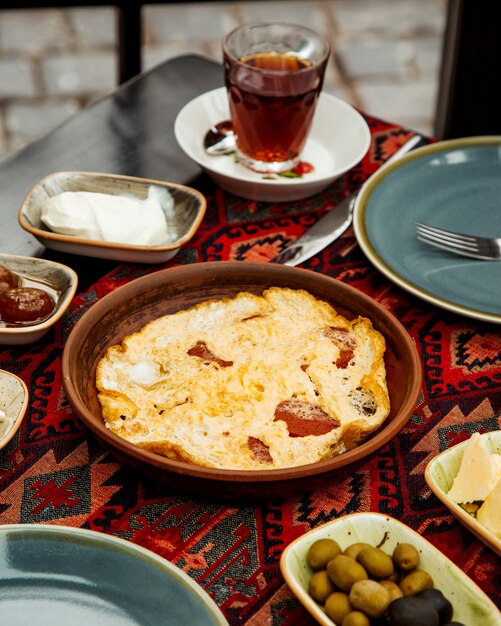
[488, 248]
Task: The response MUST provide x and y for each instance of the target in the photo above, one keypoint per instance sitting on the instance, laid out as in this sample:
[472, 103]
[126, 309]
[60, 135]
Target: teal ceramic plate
[454, 184]
[57, 575]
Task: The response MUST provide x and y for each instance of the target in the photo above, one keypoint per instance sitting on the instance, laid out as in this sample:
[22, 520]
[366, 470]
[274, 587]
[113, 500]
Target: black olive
[442, 606]
[453, 624]
[412, 612]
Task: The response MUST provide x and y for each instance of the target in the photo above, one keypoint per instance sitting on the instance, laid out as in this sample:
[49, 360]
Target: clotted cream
[111, 218]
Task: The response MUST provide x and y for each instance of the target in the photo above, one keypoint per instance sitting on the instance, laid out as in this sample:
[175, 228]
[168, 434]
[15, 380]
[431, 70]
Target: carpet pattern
[55, 472]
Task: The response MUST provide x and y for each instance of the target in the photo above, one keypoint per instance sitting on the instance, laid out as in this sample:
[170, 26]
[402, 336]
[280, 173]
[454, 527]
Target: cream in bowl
[107, 217]
[110, 216]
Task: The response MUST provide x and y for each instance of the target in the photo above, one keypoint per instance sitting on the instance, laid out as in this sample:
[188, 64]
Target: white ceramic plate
[453, 184]
[440, 473]
[75, 577]
[338, 140]
[183, 219]
[471, 604]
[62, 279]
[13, 402]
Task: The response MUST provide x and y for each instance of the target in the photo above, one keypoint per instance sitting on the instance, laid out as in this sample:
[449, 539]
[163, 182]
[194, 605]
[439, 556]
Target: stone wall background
[386, 54]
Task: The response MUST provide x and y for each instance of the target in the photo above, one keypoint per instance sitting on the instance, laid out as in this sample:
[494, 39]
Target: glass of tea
[274, 74]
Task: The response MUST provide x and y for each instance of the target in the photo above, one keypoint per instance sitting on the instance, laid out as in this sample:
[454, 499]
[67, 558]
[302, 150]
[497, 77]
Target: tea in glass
[274, 74]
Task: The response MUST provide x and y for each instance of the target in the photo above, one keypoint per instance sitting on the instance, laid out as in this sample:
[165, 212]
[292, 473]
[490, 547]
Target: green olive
[344, 571]
[321, 552]
[376, 563]
[337, 606]
[415, 582]
[395, 577]
[370, 597]
[356, 618]
[393, 588]
[320, 586]
[405, 557]
[353, 549]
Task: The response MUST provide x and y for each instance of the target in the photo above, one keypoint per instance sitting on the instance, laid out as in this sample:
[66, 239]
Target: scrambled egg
[252, 382]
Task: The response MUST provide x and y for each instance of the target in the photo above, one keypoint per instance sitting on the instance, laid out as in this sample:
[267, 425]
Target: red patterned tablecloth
[55, 472]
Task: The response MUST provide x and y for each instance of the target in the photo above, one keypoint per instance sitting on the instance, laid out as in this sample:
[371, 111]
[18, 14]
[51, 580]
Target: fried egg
[251, 382]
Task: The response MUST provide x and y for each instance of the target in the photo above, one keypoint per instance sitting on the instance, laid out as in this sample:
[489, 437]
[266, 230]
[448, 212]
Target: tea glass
[274, 74]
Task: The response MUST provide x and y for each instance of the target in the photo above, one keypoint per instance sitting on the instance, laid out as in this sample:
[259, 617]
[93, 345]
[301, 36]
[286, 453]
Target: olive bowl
[130, 307]
[470, 604]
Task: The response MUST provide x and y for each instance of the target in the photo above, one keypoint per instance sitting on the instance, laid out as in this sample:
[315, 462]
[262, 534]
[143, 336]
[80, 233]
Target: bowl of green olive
[369, 569]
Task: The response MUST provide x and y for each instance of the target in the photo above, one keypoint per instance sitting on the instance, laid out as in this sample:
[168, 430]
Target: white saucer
[338, 140]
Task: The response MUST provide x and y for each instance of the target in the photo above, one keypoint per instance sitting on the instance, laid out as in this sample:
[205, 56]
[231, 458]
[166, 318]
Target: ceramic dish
[454, 184]
[183, 219]
[338, 140]
[471, 605]
[88, 577]
[440, 473]
[59, 280]
[13, 405]
[128, 308]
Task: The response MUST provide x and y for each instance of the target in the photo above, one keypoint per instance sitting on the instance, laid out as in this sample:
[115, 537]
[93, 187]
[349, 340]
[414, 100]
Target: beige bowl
[183, 220]
[130, 307]
[62, 282]
[13, 403]
[471, 605]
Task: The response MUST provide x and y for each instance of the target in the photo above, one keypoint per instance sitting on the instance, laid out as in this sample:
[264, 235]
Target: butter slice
[489, 514]
[477, 474]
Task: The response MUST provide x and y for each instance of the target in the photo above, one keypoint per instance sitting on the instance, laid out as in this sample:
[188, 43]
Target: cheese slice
[489, 514]
[496, 461]
[477, 474]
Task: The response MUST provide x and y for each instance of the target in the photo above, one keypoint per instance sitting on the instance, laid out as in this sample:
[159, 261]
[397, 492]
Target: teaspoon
[220, 139]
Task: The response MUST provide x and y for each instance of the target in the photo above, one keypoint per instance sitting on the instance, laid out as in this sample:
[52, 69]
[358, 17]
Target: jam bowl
[34, 294]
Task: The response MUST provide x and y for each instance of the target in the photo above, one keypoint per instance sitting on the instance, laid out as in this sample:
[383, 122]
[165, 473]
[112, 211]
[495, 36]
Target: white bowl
[183, 220]
[471, 604]
[440, 473]
[13, 402]
[339, 139]
[60, 279]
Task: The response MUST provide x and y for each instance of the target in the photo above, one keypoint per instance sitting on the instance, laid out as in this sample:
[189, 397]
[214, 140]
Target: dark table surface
[130, 131]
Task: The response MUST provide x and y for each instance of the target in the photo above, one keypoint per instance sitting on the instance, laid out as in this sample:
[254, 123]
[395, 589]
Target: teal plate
[70, 576]
[456, 185]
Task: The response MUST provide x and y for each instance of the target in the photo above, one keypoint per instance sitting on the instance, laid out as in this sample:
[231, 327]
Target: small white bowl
[339, 139]
[471, 605]
[13, 402]
[440, 473]
[184, 219]
[62, 282]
